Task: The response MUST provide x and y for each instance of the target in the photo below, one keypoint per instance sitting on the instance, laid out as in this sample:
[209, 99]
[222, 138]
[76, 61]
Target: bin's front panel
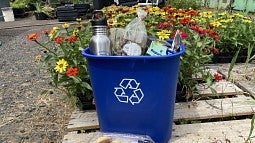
[135, 96]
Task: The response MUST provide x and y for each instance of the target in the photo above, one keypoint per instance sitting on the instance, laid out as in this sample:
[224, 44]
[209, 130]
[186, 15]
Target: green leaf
[199, 44]
[86, 85]
[214, 92]
[232, 64]
[76, 79]
[251, 130]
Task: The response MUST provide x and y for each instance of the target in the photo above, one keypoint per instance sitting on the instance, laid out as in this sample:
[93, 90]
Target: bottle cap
[98, 18]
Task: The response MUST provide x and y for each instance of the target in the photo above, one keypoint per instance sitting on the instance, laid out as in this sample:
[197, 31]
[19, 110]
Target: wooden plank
[216, 108]
[247, 86]
[223, 88]
[83, 120]
[238, 72]
[78, 138]
[235, 131]
[211, 70]
[204, 109]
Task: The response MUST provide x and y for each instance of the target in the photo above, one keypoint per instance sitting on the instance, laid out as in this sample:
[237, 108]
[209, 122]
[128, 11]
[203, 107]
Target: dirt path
[26, 115]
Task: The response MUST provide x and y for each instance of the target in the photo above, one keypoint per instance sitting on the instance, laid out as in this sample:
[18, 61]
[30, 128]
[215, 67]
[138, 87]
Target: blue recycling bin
[135, 94]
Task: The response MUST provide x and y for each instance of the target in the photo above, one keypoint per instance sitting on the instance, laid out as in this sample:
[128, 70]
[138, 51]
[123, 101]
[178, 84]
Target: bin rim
[86, 53]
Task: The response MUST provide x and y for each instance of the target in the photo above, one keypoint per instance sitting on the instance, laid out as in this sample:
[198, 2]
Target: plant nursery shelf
[212, 120]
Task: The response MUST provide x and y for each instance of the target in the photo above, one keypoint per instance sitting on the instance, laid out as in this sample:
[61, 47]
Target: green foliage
[236, 30]
[233, 61]
[184, 4]
[251, 130]
[67, 43]
[19, 3]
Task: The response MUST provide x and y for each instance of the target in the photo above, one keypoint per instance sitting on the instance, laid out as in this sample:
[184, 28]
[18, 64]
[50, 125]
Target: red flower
[192, 22]
[59, 40]
[32, 37]
[193, 12]
[217, 77]
[71, 71]
[164, 25]
[215, 50]
[213, 34]
[182, 33]
[71, 39]
[199, 30]
[46, 32]
[184, 21]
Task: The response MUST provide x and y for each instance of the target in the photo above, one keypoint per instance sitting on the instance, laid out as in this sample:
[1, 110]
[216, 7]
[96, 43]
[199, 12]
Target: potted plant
[19, 7]
[43, 11]
[63, 60]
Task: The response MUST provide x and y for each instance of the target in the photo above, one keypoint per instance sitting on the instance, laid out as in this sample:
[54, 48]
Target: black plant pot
[85, 103]
[40, 16]
[226, 57]
[180, 93]
[20, 12]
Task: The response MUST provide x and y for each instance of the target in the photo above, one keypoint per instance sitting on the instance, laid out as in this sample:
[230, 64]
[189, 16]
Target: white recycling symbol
[134, 97]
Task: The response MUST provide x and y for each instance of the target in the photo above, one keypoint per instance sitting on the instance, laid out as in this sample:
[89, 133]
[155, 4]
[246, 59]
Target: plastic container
[7, 14]
[135, 94]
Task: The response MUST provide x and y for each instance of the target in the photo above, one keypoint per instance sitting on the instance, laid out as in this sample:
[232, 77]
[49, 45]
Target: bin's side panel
[135, 96]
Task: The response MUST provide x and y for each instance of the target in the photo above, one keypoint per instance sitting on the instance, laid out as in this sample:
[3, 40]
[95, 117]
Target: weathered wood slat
[223, 88]
[204, 109]
[226, 131]
[211, 70]
[83, 120]
[217, 108]
[235, 131]
[239, 72]
[247, 86]
[78, 138]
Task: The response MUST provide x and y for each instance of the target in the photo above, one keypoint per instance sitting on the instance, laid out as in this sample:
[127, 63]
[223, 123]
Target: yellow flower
[78, 19]
[207, 14]
[215, 23]
[53, 32]
[75, 32]
[55, 28]
[226, 20]
[164, 34]
[61, 66]
[66, 25]
[247, 21]
[222, 13]
[223, 26]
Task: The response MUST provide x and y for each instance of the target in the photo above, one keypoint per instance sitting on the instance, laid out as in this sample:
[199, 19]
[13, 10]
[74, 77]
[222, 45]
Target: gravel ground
[27, 115]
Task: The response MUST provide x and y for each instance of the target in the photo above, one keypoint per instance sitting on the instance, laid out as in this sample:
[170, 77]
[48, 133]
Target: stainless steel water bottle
[99, 42]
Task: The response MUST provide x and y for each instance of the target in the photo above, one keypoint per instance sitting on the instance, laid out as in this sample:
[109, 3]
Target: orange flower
[72, 71]
[184, 21]
[71, 39]
[32, 37]
[59, 40]
[46, 32]
[193, 12]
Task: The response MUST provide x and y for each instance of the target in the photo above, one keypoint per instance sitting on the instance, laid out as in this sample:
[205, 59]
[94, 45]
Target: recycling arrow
[129, 84]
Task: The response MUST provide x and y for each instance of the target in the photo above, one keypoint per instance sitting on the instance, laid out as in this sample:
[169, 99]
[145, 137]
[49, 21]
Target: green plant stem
[45, 48]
